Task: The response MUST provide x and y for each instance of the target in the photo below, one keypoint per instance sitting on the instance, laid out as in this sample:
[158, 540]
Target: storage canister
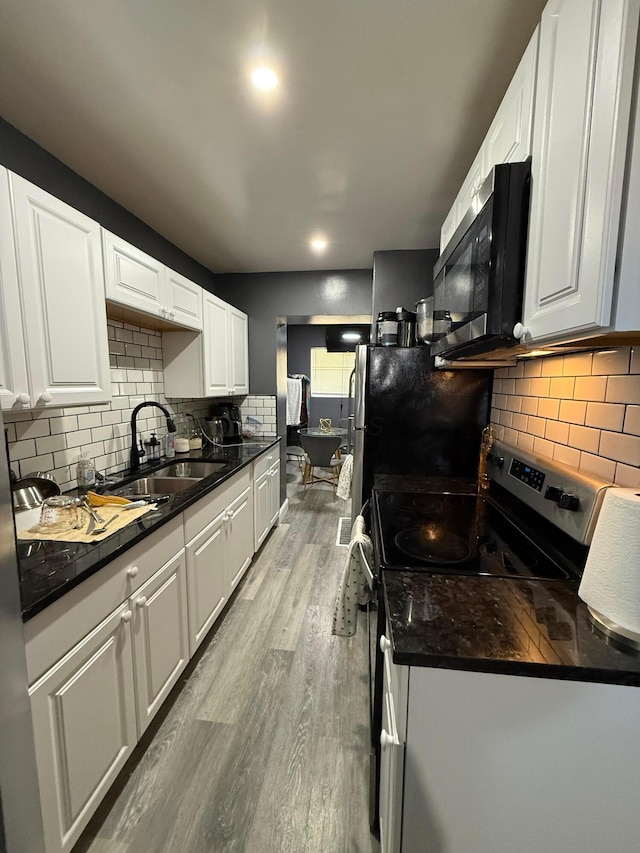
[424, 321]
[387, 329]
[406, 327]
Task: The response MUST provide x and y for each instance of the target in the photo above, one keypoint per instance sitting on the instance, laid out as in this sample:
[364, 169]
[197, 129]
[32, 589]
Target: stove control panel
[564, 496]
[529, 475]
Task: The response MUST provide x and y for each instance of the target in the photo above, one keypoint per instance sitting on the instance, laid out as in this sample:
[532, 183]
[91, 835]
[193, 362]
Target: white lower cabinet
[219, 536]
[84, 726]
[160, 636]
[266, 495]
[208, 587]
[497, 763]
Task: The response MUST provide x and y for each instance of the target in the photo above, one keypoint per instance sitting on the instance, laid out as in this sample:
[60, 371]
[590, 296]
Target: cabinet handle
[132, 572]
[172, 314]
[45, 397]
[385, 644]
[386, 740]
[25, 399]
[127, 616]
[140, 602]
[163, 310]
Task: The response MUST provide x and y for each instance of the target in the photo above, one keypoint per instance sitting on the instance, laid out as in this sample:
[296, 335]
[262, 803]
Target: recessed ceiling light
[265, 79]
[318, 244]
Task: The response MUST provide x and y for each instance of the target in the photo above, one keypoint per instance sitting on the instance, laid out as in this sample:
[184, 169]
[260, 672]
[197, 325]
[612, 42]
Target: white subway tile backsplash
[543, 447]
[610, 362]
[621, 447]
[561, 387]
[36, 463]
[49, 444]
[566, 455]
[540, 387]
[599, 467]
[623, 389]
[577, 364]
[632, 420]
[525, 441]
[605, 416]
[590, 388]
[627, 476]
[584, 438]
[76, 439]
[548, 408]
[551, 366]
[536, 426]
[557, 431]
[31, 429]
[635, 360]
[22, 449]
[532, 367]
[88, 421]
[573, 411]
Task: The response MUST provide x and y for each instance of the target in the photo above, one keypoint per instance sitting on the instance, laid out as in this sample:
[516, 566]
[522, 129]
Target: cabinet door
[84, 727]
[207, 579]
[585, 72]
[469, 189]
[62, 286]
[183, 301]
[239, 537]
[216, 346]
[238, 352]
[274, 475]
[509, 137]
[160, 636]
[391, 772]
[262, 508]
[132, 277]
[14, 382]
[448, 227]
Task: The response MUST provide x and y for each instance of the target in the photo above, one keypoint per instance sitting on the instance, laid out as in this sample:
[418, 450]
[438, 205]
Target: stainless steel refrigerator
[20, 819]
[412, 420]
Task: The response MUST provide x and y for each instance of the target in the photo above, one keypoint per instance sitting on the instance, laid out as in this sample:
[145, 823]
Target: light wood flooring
[264, 746]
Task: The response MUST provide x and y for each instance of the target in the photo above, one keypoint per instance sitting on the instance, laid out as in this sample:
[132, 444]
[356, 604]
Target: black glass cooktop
[460, 534]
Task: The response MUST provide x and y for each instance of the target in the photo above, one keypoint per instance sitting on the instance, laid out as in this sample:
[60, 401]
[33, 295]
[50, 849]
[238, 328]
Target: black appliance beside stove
[534, 521]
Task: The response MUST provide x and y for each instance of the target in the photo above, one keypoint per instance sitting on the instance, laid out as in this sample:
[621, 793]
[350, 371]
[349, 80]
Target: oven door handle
[366, 568]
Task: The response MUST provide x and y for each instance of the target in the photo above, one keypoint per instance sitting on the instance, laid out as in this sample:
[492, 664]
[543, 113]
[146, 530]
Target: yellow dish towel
[114, 515]
[102, 500]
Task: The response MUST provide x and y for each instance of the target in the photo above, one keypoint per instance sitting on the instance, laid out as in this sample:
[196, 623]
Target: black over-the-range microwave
[478, 280]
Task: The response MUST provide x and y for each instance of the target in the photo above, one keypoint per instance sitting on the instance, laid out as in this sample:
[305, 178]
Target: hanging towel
[344, 483]
[354, 588]
[294, 401]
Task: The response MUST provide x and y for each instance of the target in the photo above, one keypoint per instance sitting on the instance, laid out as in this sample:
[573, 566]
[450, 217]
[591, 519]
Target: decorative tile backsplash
[582, 410]
[52, 440]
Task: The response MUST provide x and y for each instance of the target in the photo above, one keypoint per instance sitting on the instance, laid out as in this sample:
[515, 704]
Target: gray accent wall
[402, 277]
[267, 296]
[26, 158]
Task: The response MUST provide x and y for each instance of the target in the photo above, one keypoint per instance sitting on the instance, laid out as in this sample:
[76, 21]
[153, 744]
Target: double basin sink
[171, 479]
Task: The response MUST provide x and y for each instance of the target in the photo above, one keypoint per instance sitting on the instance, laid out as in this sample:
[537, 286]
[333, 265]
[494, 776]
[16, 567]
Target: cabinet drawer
[197, 517]
[262, 464]
[50, 634]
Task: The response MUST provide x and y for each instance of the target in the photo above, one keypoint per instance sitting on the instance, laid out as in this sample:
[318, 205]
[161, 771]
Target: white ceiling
[382, 107]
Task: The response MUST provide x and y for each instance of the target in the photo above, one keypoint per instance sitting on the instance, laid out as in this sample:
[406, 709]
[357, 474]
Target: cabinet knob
[385, 739]
[127, 616]
[520, 331]
[132, 572]
[140, 602]
[163, 311]
[385, 644]
[45, 397]
[25, 399]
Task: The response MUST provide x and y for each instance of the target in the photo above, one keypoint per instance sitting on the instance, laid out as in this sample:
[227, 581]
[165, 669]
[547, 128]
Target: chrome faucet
[134, 456]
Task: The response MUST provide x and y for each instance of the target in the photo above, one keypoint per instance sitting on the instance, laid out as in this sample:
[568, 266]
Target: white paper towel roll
[611, 581]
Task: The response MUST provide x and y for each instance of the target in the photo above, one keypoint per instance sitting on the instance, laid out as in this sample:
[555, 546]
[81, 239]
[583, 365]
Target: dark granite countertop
[503, 625]
[422, 483]
[48, 570]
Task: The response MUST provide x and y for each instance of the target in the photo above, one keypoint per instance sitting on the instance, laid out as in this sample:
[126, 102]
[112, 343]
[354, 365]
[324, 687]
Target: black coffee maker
[229, 414]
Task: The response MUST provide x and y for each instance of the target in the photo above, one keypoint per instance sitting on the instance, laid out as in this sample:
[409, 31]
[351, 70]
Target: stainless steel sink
[188, 469]
[157, 486]
[171, 479]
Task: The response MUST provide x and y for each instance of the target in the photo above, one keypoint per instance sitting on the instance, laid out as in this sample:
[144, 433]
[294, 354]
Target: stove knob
[495, 460]
[570, 502]
[553, 494]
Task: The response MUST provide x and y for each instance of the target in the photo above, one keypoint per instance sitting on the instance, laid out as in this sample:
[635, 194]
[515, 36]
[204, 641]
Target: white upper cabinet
[509, 139]
[135, 280]
[57, 299]
[14, 381]
[183, 300]
[583, 97]
[238, 326]
[214, 363]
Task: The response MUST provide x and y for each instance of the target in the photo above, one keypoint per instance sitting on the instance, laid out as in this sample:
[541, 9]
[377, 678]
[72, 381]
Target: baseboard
[284, 509]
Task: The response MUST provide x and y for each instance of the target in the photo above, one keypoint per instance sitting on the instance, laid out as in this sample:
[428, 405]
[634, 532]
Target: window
[330, 372]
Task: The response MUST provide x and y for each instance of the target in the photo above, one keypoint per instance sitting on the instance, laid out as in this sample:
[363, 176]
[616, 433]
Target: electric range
[533, 520]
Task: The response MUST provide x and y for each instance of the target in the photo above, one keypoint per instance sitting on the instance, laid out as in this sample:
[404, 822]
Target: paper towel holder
[623, 636]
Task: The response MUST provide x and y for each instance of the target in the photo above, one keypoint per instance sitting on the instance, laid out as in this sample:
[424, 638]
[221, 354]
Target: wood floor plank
[265, 747]
[291, 609]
